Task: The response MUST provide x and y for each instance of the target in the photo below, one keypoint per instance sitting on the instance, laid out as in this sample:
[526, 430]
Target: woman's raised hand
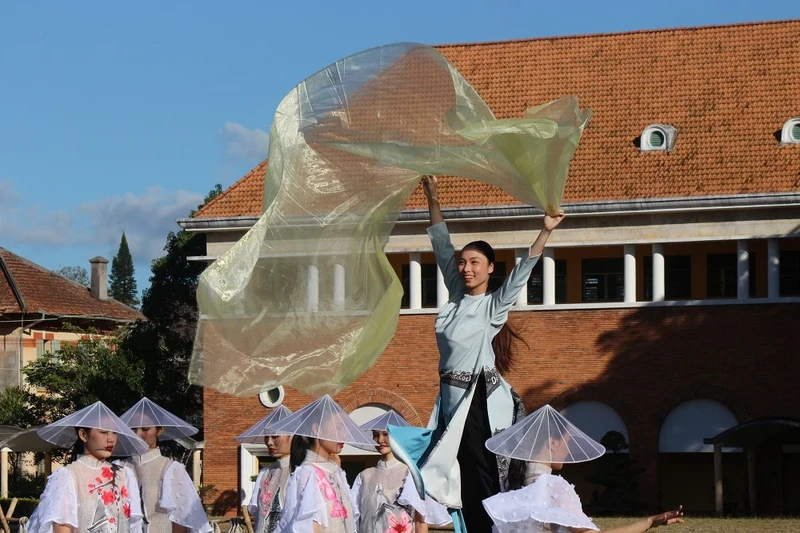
[429, 186]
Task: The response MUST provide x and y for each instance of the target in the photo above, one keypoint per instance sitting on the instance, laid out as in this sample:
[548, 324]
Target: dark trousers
[479, 476]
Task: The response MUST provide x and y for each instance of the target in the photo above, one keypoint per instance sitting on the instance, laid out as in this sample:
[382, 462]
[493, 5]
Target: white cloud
[98, 225]
[243, 144]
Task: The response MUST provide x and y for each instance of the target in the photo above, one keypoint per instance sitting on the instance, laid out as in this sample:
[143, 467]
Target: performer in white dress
[269, 492]
[384, 497]
[170, 502]
[90, 495]
[318, 495]
[545, 440]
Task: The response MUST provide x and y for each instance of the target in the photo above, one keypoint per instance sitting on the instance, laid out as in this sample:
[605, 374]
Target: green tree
[19, 407]
[78, 274]
[122, 281]
[83, 372]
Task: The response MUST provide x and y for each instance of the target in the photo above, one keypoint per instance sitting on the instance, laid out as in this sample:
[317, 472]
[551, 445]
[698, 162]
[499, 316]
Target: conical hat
[256, 433]
[149, 414]
[322, 419]
[96, 416]
[544, 436]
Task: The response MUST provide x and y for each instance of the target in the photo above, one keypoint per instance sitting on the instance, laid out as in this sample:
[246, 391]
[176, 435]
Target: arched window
[689, 423]
[595, 419]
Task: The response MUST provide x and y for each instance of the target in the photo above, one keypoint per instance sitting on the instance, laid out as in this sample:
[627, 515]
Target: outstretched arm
[550, 224]
[640, 526]
[429, 185]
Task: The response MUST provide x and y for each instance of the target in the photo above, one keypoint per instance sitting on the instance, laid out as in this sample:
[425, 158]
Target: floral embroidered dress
[91, 496]
[167, 494]
[385, 501]
[317, 492]
[269, 495]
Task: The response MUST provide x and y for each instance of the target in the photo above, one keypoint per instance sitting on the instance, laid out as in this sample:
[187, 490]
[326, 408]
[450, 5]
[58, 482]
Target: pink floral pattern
[337, 509]
[399, 525]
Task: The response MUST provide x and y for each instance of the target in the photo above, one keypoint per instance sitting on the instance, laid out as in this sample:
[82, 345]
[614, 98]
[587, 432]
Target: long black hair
[503, 342]
[78, 448]
[299, 447]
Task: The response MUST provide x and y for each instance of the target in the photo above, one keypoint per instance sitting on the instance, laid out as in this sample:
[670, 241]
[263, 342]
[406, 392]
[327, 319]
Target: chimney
[99, 275]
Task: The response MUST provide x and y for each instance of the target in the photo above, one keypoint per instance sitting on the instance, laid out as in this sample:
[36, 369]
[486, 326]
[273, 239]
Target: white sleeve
[134, 497]
[355, 499]
[253, 505]
[181, 501]
[431, 511]
[58, 504]
[304, 504]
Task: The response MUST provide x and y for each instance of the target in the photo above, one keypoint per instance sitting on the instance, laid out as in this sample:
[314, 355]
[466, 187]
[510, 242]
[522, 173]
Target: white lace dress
[317, 492]
[91, 496]
[168, 494]
[547, 504]
[269, 495]
[385, 499]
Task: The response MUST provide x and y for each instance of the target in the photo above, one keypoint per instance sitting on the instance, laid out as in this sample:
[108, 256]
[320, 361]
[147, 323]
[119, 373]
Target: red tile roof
[44, 291]
[727, 89]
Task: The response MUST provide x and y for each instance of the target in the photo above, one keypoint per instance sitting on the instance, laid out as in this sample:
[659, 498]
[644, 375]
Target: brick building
[666, 306]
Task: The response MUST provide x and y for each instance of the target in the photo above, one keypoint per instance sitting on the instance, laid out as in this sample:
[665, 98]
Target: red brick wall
[643, 362]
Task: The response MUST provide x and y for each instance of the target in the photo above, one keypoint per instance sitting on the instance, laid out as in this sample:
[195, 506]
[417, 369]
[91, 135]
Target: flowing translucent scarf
[307, 298]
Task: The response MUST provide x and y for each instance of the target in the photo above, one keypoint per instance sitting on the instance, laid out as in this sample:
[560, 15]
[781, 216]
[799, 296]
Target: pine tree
[122, 281]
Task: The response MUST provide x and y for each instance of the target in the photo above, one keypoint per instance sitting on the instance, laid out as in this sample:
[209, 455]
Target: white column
[442, 294]
[630, 273]
[549, 276]
[520, 254]
[197, 468]
[742, 270]
[338, 287]
[658, 273]
[246, 471]
[4, 473]
[313, 288]
[414, 281]
[773, 269]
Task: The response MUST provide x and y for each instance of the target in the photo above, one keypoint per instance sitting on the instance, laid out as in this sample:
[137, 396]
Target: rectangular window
[536, 283]
[603, 279]
[789, 273]
[677, 277]
[722, 277]
[429, 285]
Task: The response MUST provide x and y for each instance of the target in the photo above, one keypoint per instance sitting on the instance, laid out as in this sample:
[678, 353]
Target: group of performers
[141, 491]
[481, 463]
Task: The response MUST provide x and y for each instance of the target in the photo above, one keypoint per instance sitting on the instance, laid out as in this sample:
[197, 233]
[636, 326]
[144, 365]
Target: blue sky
[121, 116]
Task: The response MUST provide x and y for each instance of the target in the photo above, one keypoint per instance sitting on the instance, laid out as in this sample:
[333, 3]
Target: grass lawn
[717, 525]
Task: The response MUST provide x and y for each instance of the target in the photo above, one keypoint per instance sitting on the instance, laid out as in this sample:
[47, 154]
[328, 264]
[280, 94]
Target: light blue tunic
[465, 328]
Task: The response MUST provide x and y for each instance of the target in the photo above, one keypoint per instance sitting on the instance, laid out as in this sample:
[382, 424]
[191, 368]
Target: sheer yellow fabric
[307, 298]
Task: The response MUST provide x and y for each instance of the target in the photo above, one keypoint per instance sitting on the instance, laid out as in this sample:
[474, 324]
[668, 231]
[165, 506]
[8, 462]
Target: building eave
[644, 206]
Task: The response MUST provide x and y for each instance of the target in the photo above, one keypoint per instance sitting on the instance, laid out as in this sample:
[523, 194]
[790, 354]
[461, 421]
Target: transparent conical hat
[256, 433]
[380, 423]
[544, 436]
[322, 419]
[96, 416]
[147, 413]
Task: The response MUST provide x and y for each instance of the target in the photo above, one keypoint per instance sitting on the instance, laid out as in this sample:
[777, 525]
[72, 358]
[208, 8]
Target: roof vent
[658, 138]
[790, 134]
